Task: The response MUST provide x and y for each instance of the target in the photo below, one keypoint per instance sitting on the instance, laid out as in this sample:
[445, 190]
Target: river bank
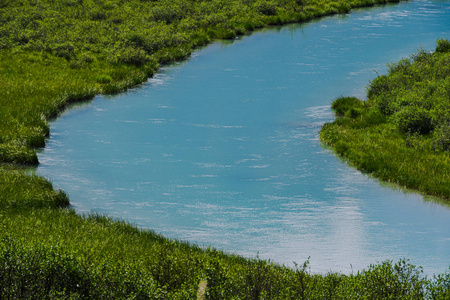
[56, 54]
[400, 134]
[47, 251]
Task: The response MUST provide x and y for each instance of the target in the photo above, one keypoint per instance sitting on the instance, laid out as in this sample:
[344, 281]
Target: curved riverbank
[50, 252]
[223, 149]
[55, 54]
[400, 134]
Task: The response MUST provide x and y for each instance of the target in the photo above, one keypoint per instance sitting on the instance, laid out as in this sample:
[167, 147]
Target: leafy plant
[443, 46]
[413, 119]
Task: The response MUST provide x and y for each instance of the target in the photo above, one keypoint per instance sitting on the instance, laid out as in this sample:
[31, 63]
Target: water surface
[223, 149]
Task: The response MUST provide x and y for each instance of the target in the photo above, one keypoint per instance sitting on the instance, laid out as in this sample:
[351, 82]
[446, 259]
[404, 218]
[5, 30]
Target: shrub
[443, 46]
[353, 113]
[37, 273]
[401, 280]
[66, 50]
[439, 289]
[377, 94]
[98, 16]
[401, 66]
[422, 56]
[343, 105]
[267, 8]
[42, 272]
[218, 286]
[86, 58]
[371, 117]
[303, 281]
[413, 119]
[132, 56]
[103, 79]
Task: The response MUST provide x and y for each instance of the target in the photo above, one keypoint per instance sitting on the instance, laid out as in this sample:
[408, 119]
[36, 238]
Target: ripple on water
[223, 150]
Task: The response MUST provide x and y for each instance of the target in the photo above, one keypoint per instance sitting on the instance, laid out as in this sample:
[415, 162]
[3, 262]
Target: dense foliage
[402, 132]
[54, 52]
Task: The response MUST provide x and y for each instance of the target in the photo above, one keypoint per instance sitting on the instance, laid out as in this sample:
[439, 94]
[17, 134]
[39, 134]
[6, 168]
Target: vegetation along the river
[401, 133]
[54, 52]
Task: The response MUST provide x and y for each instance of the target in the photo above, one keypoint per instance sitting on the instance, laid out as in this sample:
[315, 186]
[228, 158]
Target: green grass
[58, 253]
[21, 191]
[55, 52]
[401, 133]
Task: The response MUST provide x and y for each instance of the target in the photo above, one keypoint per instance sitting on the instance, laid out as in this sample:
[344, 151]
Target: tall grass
[21, 191]
[56, 253]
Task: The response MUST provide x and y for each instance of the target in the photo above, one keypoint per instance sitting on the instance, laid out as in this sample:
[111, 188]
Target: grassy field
[54, 52]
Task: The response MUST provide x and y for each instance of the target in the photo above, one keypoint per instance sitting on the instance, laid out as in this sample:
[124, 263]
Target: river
[222, 150]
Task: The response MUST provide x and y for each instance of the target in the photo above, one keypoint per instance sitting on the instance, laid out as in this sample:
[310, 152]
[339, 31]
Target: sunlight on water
[223, 149]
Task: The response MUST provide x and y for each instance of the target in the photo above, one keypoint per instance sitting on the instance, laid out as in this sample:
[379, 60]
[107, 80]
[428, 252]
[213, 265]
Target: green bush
[378, 94]
[103, 79]
[443, 46]
[66, 50]
[393, 281]
[167, 14]
[131, 56]
[344, 104]
[267, 8]
[439, 288]
[413, 119]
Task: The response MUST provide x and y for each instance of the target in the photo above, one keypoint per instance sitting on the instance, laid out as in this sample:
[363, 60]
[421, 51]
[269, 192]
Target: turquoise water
[223, 150]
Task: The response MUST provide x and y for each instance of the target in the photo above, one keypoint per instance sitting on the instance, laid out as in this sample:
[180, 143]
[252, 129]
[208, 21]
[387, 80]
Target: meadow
[56, 52]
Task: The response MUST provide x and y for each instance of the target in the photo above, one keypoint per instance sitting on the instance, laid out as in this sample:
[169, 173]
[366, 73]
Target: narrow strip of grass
[401, 134]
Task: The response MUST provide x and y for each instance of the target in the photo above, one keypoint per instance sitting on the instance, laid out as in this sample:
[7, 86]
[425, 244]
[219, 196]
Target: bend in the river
[223, 149]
